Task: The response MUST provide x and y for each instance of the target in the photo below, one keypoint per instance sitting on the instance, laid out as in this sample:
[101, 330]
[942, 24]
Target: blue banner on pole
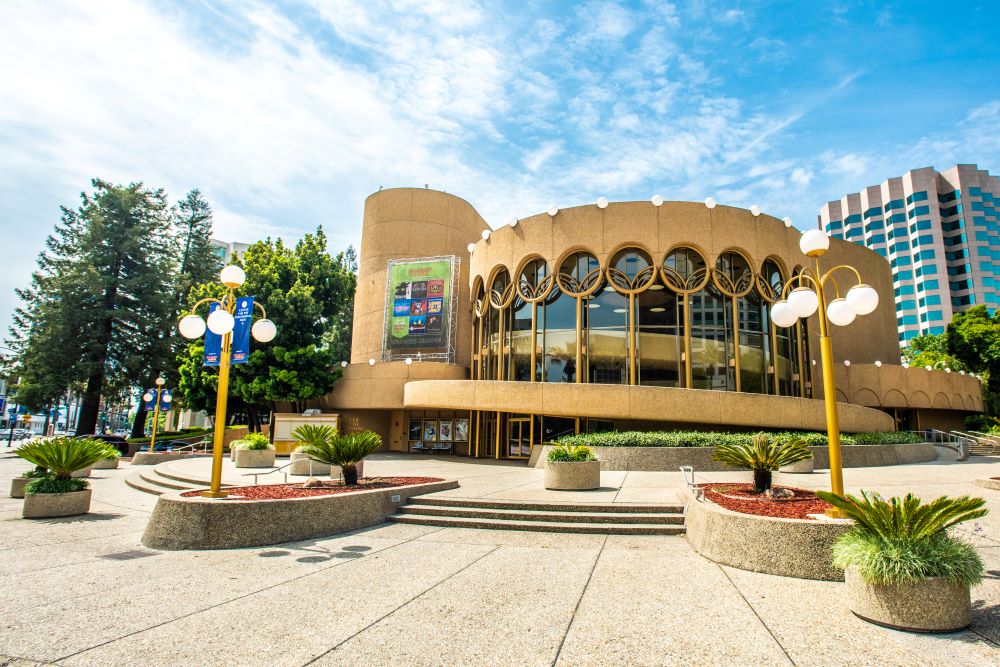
[241, 330]
[213, 343]
[163, 395]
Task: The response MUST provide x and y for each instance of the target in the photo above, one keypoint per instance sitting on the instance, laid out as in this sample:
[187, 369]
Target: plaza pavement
[413, 595]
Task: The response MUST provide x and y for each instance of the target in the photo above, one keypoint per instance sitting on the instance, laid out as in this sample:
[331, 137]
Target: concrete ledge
[670, 458]
[106, 464]
[993, 484]
[151, 459]
[797, 548]
[200, 523]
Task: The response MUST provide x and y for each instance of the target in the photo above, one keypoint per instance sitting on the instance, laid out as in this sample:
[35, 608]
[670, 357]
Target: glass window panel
[660, 338]
[605, 324]
[558, 324]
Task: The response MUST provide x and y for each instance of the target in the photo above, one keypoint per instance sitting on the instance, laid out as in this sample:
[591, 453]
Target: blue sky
[287, 115]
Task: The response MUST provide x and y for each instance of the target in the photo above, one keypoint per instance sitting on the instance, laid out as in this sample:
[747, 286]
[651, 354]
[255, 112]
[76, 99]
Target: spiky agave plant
[344, 451]
[903, 540]
[61, 457]
[763, 456]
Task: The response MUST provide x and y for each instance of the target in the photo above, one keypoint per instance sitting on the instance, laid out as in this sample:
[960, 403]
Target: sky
[288, 114]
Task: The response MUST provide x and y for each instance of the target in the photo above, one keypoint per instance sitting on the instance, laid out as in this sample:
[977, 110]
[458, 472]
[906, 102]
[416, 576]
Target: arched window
[498, 324]
[685, 273]
[533, 285]
[777, 349]
[480, 306]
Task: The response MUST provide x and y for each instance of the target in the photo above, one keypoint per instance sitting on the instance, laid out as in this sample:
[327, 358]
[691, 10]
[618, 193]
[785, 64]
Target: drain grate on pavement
[129, 555]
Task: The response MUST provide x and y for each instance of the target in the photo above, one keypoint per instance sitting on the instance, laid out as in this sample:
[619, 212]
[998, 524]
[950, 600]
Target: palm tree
[344, 451]
[763, 456]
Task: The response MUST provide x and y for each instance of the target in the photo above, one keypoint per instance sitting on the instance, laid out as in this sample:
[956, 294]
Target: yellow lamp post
[221, 322]
[158, 396]
[804, 295]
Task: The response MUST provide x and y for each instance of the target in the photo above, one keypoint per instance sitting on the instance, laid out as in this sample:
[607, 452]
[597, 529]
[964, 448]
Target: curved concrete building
[632, 316]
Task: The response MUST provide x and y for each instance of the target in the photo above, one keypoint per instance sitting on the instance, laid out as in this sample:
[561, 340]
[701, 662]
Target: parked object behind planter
[66, 496]
[902, 568]
[572, 468]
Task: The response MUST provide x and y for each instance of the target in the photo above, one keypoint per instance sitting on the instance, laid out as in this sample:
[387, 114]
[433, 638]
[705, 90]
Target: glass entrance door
[518, 437]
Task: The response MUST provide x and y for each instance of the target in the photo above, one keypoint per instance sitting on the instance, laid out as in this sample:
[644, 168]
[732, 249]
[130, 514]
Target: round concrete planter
[254, 458]
[303, 465]
[151, 459]
[49, 505]
[106, 464]
[800, 548]
[993, 484]
[572, 475]
[799, 467]
[82, 472]
[930, 605]
[17, 486]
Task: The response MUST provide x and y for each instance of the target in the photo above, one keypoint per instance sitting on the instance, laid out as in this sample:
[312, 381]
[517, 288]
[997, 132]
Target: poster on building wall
[419, 291]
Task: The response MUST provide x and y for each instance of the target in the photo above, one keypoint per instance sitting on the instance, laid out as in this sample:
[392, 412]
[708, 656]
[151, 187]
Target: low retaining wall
[797, 548]
[151, 459]
[179, 523]
[993, 484]
[670, 458]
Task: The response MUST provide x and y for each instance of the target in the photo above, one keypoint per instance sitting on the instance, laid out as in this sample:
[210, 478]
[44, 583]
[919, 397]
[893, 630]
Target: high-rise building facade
[941, 235]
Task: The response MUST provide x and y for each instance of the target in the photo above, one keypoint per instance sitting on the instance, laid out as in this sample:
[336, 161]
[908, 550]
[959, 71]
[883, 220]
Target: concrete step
[540, 526]
[543, 515]
[549, 506]
[135, 480]
[154, 477]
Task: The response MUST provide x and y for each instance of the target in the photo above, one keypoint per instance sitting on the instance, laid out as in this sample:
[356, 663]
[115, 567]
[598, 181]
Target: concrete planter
[303, 465]
[17, 486]
[988, 484]
[799, 467]
[572, 475]
[254, 458]
[48, 505]
[930, 605]
[151, 459]
[106, 464]
[82, 472]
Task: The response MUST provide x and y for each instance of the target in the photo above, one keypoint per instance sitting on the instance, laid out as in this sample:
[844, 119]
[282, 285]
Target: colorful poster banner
[241, 330]
[213, 343]
[419, 291]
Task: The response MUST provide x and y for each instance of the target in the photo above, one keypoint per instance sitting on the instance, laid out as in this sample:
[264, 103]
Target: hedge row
[714, 439]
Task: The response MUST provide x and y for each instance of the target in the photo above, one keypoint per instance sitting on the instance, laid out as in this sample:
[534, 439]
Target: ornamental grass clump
[902, 540]
[571, 453]
[343, 451]
[763, 456]
[61, 457]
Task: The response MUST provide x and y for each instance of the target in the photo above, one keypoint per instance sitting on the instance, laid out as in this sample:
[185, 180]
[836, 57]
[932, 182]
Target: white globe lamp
[486, 235]
[471, 247]
[552, 210]
[847, 362]
[863, 299]
[839, 312]
[232, 276]
[191, 327]
[343, 364]
[803, 302]
[371, 362]
[814, 243]
[755, 210]
[602, 202]
[878, 364]
[788, 221]
[220, 322]
[147, 397]
[782, 315]
[710, 202]
[264, 331]
[657, 200]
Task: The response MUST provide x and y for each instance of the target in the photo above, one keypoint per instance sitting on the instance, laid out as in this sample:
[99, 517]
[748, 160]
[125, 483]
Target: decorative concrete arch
[919, 399]
[941, 401]
[894, 398]
[866, 397]
[842, 397]
[957, 403]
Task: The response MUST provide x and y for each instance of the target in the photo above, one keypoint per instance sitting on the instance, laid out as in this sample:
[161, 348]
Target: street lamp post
[160, 395]
[221, 322]
[808, 297]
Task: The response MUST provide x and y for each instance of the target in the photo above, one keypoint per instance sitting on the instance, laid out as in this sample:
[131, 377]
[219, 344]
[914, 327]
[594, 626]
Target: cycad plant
[763, 456]
[903, 540]
[61, 457]
[344, 451]
[309, 434]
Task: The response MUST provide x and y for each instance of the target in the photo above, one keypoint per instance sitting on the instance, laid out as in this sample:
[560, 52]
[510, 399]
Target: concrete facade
[940, 232]
[503, 396]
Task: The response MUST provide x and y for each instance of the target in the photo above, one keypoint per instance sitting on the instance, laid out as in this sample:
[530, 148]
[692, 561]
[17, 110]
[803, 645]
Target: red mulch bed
[741, 498]
[281, 491]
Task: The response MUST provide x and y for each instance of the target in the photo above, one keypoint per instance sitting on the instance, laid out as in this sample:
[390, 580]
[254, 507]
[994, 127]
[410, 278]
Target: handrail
[255, 475]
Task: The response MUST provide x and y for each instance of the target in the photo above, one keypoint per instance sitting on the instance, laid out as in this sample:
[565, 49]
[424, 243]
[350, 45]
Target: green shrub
[903, 540]
[255, 441]
[343, 451]
[571, 453]
[717, 438]
[63, 455]
[763, 455]
[36, 473]
[49, 484]
[110, 453]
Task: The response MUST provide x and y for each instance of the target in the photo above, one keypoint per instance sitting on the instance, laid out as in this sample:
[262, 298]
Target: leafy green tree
[932, 350]
[973, 337]
[306, 292]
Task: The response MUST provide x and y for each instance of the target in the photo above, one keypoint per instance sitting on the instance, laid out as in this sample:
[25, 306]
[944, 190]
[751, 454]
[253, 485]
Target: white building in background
[226, 249]
[940, 232]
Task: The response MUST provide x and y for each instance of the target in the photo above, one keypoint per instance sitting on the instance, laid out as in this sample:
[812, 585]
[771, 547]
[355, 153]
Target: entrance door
[518, 437]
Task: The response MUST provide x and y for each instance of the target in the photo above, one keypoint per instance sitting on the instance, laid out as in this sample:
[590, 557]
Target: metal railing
[275, 469]
[951, 439]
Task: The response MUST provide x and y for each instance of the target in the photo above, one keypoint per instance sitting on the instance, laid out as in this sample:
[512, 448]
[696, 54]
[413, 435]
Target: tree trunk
[350, 474]
[139, 425]
[48, 419]
[761, 480]
[86, 422]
